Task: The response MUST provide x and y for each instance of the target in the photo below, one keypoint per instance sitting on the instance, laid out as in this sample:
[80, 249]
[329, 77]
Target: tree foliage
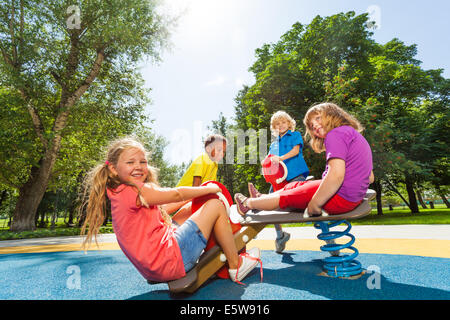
[69, 82]
[403, 108]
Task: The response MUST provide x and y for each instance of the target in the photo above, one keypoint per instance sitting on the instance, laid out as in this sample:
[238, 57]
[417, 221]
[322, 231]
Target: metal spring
[338, 265]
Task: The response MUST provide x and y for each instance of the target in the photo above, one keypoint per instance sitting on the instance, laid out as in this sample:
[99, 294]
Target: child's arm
[196, 181]
[174, 206]
[154, 195]
[294, 151]
[329, 186]
[371, 177]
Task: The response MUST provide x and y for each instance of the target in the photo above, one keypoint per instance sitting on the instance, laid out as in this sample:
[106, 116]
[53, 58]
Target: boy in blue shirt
[288, 148]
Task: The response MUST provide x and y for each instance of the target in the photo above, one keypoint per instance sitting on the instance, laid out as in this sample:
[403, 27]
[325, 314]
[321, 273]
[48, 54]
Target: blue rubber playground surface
[293, 275]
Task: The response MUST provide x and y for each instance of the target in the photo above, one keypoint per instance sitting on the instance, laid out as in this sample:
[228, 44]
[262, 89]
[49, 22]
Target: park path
[421, 240]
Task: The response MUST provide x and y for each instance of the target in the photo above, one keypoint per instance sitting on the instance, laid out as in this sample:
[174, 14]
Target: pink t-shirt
[147, 242]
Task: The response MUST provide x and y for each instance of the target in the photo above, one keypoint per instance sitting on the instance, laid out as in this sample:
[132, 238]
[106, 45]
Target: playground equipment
[246, 228]
[274, 173]
[344, 265]
[338, 265]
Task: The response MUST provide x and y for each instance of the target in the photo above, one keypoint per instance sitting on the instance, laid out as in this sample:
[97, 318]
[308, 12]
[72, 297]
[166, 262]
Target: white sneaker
[249, 261]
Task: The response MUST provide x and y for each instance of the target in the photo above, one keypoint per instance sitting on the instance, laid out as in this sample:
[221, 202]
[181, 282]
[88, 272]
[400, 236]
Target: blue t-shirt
[296, 165]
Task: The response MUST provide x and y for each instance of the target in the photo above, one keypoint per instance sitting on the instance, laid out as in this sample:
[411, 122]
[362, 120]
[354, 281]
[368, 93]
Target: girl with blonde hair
[160, 249]
[347, 174]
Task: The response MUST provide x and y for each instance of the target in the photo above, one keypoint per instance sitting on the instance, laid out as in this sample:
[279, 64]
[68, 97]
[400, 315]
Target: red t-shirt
[144, 238]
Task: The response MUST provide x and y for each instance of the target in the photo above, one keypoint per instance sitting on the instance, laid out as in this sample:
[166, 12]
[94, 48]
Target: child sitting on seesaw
[347, 174]
[204, 167]
[157, 248]
[288, 147]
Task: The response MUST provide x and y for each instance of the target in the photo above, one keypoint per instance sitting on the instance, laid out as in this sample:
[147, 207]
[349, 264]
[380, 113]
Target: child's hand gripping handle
[281, 179]
[306, 214]
[274, 171]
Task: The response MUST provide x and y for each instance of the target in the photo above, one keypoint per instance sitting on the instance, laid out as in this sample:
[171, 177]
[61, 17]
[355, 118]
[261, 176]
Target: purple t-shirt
[349, 145]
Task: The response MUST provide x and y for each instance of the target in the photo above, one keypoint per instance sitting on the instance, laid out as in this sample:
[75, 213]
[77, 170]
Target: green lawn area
[60, 230]
[426, 216]
[439, 215]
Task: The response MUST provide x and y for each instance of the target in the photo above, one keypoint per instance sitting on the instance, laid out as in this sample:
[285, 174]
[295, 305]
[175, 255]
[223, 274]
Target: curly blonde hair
[277, 116]
[332, 116]
[94, 197]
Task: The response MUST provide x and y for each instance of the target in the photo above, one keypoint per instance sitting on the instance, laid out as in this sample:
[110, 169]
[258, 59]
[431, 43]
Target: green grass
[44, 233]
[426, 216]
[60, 230]
[439, 215]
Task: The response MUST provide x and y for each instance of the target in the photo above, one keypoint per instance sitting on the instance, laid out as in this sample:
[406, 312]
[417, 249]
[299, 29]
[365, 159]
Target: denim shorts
[191, 242]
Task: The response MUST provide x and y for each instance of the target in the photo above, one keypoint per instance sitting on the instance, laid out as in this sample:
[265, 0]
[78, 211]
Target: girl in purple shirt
[347, 174]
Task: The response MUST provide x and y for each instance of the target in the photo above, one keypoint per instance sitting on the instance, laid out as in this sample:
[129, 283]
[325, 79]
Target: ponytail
[94, 201]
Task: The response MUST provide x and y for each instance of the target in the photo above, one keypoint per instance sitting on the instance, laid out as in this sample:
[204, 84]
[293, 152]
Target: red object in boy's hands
[198, 202]
[274, 173]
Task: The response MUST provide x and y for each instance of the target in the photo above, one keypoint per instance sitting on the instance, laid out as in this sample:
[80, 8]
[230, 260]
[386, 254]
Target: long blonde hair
[94, 197]
[332, 116]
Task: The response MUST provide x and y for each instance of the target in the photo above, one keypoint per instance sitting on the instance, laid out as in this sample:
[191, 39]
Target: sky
[214, 41]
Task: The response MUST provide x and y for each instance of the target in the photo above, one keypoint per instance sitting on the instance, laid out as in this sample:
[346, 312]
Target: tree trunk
[444, 197]
[41, 220]
[377, 187]
[3, 197]
[419, 197]
[393, 188]
[30, 195]
[71, 208]
[32, 192]
[412, 196]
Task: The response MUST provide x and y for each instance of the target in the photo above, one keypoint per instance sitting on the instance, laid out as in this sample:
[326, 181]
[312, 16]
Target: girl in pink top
[347, 174]
[159, 249]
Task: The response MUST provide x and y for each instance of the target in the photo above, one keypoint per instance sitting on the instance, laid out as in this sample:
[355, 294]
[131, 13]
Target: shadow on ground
[287, 278]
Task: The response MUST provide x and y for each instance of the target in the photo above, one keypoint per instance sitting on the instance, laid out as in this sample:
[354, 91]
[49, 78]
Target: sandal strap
[243, 199]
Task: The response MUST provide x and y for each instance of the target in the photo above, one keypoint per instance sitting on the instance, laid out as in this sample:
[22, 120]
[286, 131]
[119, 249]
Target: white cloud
[239, 82]
[238, 38]
[217, 81]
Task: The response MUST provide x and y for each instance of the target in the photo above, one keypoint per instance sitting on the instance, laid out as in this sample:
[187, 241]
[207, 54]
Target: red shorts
[297, 195]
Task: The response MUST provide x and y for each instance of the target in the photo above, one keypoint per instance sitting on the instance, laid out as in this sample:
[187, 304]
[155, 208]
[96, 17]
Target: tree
[59, 61]
[403, 108]
[398, 109]
[293, 74]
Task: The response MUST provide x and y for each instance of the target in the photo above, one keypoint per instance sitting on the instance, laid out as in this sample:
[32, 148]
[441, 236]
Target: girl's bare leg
[212, 217]
[183, 214]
